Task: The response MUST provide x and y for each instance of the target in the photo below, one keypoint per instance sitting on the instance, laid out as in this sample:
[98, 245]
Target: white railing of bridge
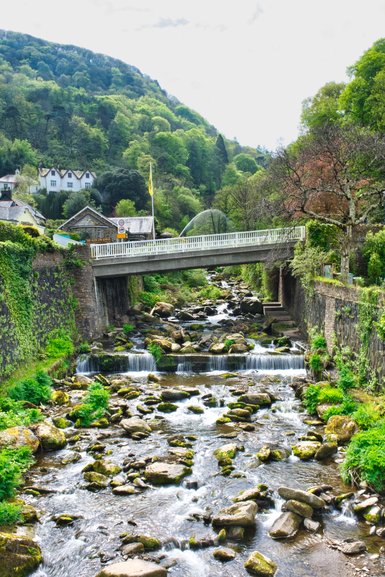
[273, 236]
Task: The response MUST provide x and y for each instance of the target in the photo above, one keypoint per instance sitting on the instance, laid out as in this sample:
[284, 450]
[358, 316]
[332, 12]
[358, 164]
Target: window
[87, 185]
[53, 173]
[87, 174]
[69, 175]
[70, 184]
[52, 183]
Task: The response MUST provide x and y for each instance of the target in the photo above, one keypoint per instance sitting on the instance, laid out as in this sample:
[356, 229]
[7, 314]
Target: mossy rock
[51, 438]
[103, 467]
[62, 423]
[19, 555]
[167, 407]
[226, 453]
[60, 398]
[306, 449]
[196, 409]
[258, 564]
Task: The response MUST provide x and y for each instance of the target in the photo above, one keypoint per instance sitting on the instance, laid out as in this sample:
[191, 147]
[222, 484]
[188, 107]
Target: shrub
[84, 348]
[156, 351]
[210, 292]
[128, 328]
[365, 458]
[311, 398]
[35, 390]
[59, 345]
[347, 407]
[10, 513]
[315, 362]
[95, 405]
[13, 463]
[13, 414]
[366, 415]
[318, 342]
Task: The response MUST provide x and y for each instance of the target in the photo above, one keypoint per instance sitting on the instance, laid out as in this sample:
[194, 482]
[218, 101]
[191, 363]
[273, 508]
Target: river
[180, 514]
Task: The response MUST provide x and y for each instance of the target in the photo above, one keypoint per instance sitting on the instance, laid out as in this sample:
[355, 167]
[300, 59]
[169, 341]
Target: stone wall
[335, 311]
[36, 298]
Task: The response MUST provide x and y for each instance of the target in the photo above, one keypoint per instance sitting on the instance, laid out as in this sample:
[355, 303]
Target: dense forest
[69, 107]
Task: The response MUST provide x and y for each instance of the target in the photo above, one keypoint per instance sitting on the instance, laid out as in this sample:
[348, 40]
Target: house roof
[14, 208]
[63, 171]
[8, 179]
[136, 224]
[83, 212]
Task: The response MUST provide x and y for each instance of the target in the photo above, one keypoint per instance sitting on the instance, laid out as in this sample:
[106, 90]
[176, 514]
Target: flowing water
[174, 514]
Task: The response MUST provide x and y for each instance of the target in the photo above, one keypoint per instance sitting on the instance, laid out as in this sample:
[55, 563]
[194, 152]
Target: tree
[335, 174]
[125, 207]
[116, 184]
[245, 163]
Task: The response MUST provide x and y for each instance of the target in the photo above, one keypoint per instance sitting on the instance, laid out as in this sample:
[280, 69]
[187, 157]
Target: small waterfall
[274, 362]
[184, 368]
[205, 363]
[132, 362]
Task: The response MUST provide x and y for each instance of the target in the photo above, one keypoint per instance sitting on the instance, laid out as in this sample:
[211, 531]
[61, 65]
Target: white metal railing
[177, 245]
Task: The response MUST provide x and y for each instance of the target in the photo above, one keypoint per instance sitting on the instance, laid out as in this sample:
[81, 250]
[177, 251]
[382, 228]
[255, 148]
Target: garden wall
[347, 316]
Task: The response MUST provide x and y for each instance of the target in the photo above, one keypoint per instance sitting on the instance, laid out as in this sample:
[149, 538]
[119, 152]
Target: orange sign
[121, 235]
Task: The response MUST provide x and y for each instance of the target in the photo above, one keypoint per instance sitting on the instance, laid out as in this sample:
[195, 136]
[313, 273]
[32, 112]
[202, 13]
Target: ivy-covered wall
[348, 317]
[35, 298]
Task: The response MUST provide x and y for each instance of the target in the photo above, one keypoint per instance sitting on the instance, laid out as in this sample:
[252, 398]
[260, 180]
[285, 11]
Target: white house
[55, 179]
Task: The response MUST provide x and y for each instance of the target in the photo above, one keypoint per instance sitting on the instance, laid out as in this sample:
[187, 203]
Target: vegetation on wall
[33, 303]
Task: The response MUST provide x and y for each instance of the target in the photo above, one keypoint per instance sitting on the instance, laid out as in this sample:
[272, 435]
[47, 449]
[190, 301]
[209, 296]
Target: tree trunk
[345, 254]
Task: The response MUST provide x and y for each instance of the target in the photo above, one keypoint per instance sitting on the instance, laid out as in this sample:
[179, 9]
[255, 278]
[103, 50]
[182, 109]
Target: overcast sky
[245, 65]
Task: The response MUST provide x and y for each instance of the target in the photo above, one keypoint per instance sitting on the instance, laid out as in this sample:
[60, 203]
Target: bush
[13, 463]
[10, 513]
[365, 458]
[210, 292]
[13, 414]
[366, 415]
[316, 395]
[95, 405]
[347, 407]
[59, 345]
[128, 328]
[35, 390]
[311, 398]
[156, 351]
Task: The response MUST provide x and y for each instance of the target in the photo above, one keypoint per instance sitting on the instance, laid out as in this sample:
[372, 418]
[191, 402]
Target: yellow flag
[150, 185]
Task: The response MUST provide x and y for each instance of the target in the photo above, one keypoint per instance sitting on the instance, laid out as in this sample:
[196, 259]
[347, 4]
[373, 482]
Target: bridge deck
[181, 245]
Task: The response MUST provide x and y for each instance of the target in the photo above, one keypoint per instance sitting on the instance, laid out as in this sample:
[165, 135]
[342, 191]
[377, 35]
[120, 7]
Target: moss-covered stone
[19, 555]
[258, 564]
[167, 407]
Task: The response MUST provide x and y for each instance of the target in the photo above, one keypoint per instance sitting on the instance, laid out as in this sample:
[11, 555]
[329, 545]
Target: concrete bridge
[142, 257]
[102, 282]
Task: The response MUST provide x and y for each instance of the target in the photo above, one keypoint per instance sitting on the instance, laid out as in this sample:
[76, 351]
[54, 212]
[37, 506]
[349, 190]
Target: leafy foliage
[13, 413]
[10, 513]
[13, 463]
[156, 351]
[365, 458]
[95, 405]
[34, 390]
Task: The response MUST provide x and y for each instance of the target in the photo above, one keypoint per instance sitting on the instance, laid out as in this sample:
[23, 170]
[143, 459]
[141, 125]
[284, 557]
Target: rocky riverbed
[193, 473]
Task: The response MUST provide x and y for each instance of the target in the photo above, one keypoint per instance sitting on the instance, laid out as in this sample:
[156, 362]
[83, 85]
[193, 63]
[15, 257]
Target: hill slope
[67, 106]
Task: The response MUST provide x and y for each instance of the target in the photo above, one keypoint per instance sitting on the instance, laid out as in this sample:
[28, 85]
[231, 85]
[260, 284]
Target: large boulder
[306, 450]
[16, 437]
[133, 568]
[258, 564]
[340, 429]
[261, 399]
[51, 438]
[159, 473]
[19, 555]
[298, 507]
[239, 515]
[163, 310]
[174, 395]
[135, 425]
[303, 496]
[286, 525]
[226, 452]
[252, 306]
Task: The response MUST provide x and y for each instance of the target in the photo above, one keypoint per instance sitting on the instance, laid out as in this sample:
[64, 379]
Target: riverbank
[155, 474]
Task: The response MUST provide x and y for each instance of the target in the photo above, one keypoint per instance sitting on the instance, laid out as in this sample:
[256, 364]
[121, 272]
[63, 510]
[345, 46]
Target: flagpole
[151, 191]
